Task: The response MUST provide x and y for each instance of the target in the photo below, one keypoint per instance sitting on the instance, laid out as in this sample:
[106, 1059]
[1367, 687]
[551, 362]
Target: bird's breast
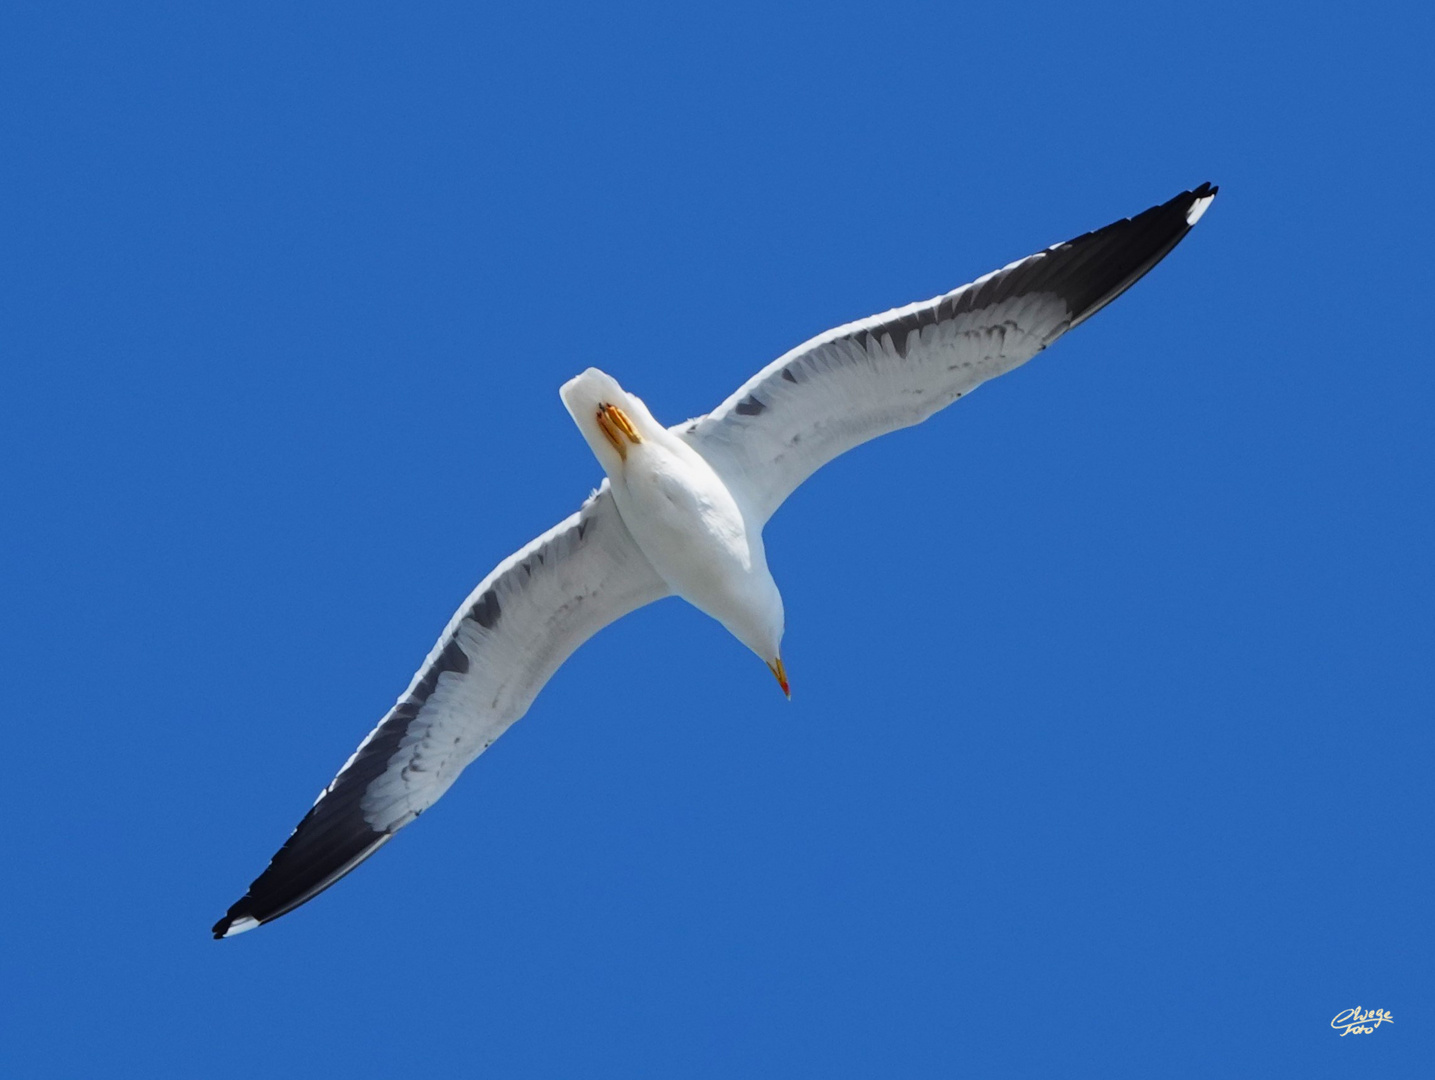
[686, 522]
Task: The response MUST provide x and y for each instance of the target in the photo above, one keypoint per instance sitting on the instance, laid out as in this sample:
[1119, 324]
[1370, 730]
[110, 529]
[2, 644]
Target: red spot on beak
[781, 672]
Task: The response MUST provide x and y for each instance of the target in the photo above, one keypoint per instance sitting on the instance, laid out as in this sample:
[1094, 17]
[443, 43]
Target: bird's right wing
[896, 369]
[501, 646]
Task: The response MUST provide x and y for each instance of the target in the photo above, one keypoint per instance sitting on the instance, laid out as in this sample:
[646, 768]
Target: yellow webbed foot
[617, 428]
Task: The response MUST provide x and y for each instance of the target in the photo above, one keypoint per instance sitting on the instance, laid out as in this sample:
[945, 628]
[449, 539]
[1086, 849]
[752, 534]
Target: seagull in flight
[681, 512]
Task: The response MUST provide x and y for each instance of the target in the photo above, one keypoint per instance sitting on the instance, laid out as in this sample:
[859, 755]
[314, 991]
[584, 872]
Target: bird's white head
[759, 624]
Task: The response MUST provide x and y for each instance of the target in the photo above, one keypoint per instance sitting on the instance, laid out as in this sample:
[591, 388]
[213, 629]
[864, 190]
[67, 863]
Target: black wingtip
[311, 860]
[236, 921]
[1207, 190]
[1095, 268]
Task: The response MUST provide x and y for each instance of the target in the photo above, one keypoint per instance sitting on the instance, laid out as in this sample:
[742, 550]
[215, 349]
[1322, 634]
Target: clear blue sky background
[1110, 743]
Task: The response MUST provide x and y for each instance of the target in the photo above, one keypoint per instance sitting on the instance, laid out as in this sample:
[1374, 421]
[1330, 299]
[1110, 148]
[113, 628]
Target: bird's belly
[687, 524]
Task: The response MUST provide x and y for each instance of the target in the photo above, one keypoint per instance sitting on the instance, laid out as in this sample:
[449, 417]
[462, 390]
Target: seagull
[681, 512]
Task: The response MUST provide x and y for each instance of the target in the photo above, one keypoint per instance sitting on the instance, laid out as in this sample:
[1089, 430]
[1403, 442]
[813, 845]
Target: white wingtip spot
[249, 922]
[1198, 208]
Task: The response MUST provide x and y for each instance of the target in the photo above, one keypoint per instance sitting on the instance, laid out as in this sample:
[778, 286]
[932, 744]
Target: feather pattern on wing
[893, 370]
[501, 646]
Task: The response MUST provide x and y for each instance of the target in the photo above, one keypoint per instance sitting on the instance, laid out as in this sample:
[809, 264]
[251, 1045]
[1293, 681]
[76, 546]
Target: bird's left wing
[896, 369]
[501, 646]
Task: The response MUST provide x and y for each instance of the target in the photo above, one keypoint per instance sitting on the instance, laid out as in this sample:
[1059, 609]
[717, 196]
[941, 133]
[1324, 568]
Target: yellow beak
[781, 672]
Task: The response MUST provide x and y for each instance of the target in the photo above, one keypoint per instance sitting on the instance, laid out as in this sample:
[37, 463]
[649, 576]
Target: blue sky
[1110, 745]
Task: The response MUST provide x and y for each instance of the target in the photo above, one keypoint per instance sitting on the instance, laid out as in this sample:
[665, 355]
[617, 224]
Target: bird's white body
[691, 525]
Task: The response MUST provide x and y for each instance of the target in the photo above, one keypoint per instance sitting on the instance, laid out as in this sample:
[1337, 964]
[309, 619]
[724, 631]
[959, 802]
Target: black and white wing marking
[896, 369]
[502, 645]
